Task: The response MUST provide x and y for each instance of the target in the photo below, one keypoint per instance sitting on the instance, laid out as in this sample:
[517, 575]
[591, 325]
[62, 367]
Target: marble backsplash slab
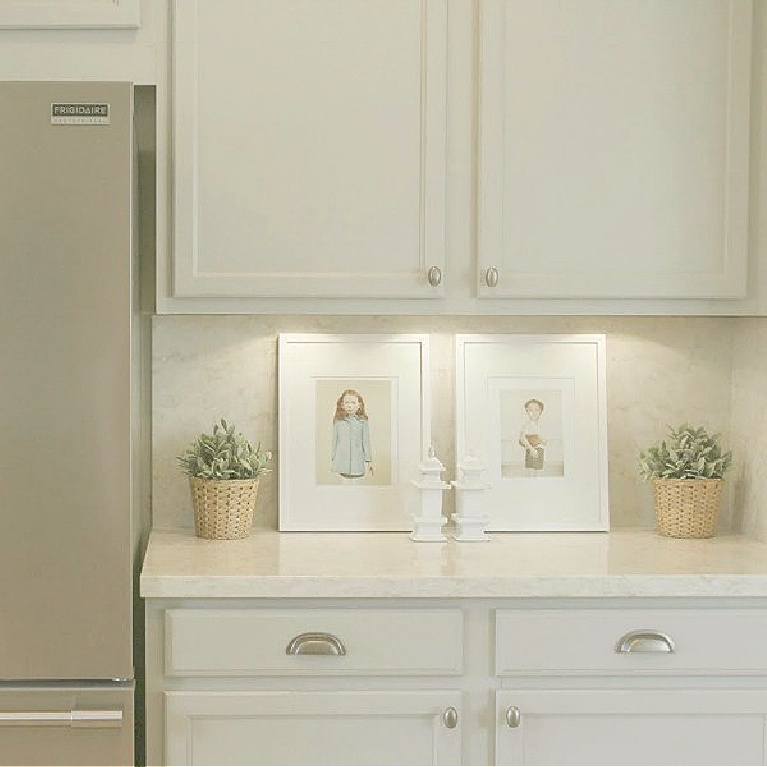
[660, 371]
[749, 426]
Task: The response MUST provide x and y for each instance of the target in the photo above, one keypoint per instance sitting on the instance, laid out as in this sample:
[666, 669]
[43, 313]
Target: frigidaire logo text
[82, 114]
[80, 110]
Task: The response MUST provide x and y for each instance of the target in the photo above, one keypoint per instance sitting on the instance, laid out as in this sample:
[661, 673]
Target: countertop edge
[458, 587]
[273, 565]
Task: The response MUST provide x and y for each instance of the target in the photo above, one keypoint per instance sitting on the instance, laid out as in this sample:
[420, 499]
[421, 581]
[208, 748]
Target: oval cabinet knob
[491, 276]
[512, 717]
[434, 275]
[645, 641]
[450, 717]
[315, 643]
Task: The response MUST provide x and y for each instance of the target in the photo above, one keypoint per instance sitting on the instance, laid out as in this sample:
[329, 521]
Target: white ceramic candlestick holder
[471, 517]
[428, 521]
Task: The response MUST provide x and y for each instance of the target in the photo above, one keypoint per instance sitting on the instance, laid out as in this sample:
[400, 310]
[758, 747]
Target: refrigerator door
[52, 726]
[65, 492]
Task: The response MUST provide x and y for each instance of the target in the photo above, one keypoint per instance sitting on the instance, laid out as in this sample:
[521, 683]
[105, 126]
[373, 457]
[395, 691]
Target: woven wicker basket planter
[687, 508]
[223, 508]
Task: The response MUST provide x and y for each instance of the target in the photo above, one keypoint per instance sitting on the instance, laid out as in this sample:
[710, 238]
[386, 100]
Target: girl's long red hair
[340, 414]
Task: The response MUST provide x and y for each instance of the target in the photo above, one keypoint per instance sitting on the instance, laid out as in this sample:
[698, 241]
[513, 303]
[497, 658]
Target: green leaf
[686, 453]
[224, 454]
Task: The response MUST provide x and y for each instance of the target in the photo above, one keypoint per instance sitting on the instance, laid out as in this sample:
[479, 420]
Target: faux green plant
[687, 453]
[225, 454]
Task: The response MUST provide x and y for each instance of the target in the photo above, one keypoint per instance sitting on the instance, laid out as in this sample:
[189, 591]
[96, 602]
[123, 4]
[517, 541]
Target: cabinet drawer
[679, 640]
[335, 641]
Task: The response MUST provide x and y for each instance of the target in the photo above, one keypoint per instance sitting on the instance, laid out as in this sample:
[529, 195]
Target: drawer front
[629, 641]
[325, 642]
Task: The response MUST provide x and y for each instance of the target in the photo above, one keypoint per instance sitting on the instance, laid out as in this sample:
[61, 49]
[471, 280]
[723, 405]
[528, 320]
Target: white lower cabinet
[456, 681]
[370, 727]
[628, 726]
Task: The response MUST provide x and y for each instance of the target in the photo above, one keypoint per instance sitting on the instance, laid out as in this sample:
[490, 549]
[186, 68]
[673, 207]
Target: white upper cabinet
[558, 156]
[309, 148]
[613, 148]
[69, 14]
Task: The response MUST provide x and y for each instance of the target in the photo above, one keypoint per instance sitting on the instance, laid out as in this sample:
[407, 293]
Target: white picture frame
[69, 14]
[533, 410]
[351, 471]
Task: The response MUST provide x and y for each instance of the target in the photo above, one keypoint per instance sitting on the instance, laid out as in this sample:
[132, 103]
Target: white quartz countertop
[373, 565]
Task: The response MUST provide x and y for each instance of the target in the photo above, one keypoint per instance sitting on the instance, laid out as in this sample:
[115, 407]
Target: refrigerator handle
[73, 718]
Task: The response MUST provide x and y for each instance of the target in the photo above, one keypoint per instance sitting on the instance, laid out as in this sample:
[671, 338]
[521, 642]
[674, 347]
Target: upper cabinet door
[309, 148]
[613, 142]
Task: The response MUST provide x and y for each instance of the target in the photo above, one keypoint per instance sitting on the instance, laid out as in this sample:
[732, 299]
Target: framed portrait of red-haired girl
[354, 425]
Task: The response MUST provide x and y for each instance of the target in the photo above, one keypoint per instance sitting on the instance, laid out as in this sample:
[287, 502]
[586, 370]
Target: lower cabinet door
[616, 727]
[318, 728]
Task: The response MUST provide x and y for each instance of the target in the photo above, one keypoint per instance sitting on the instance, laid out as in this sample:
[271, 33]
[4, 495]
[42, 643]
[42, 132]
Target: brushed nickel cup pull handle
[315, 643]
[434, 275]
[645, 641]
[512, 717]
[491, 277]
[450, 718]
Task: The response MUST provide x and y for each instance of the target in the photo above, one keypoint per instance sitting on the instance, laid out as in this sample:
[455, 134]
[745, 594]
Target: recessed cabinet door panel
[355, 728]
[309, 148]
[614, 148]
[622, 727]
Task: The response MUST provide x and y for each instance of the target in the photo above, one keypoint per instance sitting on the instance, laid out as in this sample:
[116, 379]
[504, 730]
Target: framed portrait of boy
[354, 425]
[532, 409]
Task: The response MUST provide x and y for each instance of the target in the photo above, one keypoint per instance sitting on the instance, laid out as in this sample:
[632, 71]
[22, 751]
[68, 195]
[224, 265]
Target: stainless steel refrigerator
[67, 536]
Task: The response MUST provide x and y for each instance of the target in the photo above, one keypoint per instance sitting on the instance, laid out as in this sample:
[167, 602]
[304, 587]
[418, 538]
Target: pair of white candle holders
[471, 520]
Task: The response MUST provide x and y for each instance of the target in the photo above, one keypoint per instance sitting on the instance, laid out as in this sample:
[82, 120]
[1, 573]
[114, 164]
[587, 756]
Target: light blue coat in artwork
[351, 446]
